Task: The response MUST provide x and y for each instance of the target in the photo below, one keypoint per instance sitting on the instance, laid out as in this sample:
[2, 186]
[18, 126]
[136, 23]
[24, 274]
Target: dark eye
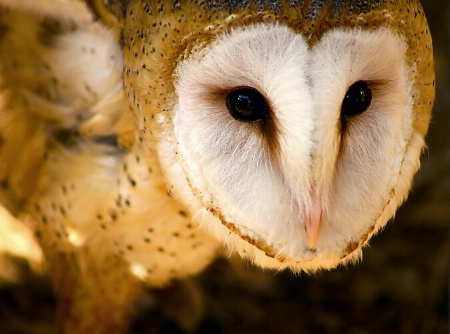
[247, 105]
[357, 99]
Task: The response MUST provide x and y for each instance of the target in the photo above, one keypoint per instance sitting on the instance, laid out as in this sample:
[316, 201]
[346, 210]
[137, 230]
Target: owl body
[127, 151]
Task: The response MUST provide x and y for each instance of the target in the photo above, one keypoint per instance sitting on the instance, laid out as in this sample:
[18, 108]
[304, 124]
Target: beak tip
[312, 240]
[313, 228]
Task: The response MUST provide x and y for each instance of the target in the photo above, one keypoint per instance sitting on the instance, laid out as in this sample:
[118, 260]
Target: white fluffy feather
[269, 197]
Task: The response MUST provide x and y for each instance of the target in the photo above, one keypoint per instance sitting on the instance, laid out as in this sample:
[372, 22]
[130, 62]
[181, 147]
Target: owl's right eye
[246, 104]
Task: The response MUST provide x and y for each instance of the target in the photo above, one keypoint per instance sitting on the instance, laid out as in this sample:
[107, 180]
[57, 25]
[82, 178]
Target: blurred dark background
[401, 286]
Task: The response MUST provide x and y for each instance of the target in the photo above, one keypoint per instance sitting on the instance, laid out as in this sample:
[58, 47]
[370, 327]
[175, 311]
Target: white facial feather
[230, 151]
[371, 144]
[344, 177]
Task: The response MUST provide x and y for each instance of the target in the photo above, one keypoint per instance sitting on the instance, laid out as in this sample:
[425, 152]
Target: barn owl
[141, 138]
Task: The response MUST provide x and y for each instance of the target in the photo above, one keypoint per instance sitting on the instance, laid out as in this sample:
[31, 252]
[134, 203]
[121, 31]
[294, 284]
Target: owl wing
[73, 169]
[57, 81]
[64, 123]
[19, 134]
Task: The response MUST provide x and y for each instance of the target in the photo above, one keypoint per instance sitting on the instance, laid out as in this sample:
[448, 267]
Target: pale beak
[313, 224]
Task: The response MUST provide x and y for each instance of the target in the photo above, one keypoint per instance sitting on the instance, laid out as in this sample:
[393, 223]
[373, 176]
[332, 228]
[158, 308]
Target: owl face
[294, 149]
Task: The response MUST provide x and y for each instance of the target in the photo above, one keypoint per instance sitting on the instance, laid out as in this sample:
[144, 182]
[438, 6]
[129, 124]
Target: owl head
[291, 130]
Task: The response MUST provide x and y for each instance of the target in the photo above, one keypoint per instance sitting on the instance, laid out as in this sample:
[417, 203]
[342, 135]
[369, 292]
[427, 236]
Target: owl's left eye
[357, 99]
[246, 104]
